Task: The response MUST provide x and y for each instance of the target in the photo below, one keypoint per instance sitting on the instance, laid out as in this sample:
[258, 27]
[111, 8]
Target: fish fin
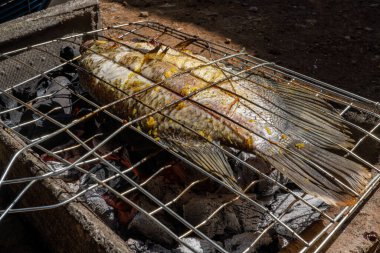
[315, 119]
[206, 156]
[155, 54]
[307, 173]
[183, 44]
[308, 116]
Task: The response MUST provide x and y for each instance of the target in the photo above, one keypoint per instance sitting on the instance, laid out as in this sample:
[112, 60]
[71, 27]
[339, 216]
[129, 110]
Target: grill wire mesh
[348, 104]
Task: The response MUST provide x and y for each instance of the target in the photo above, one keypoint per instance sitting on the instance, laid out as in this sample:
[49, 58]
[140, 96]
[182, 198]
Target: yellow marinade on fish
[286, 125]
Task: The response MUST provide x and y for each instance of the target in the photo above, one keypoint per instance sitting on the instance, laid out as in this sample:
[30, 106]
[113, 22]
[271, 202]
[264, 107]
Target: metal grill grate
[245, 65]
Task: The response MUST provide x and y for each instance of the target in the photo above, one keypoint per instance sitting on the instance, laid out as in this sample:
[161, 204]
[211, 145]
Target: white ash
[299, 217]
[63, 173]
[138, 246]
[361, 117]
[241, 216]
[73, 186]
[243, 241]
[199, 245]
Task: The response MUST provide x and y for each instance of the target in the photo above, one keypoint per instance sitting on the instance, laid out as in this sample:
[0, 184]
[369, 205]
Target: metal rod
[273, 104]
[343, 98]
[65, 128]
[342, 217]
[265, 175]
[212, 143]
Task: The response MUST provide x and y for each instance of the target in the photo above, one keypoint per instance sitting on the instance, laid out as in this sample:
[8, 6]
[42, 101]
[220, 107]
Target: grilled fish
[193, 104]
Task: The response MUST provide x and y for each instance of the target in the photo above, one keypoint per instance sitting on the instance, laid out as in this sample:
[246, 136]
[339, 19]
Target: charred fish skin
[285, 125]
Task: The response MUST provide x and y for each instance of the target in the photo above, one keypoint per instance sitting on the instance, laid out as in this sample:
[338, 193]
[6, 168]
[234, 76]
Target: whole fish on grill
[199, 105]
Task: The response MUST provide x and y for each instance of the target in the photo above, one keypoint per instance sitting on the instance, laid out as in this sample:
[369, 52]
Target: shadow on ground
[334, 41]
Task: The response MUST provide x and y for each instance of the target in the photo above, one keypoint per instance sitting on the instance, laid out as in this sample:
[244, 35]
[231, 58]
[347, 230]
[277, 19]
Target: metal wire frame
[341, 96]
[93, 150]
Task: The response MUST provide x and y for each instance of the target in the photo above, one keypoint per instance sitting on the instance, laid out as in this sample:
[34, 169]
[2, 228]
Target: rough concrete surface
[71, 228]
[54, 22]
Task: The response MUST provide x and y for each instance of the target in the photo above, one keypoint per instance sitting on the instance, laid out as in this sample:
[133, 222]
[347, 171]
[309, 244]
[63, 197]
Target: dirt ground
[333, 41]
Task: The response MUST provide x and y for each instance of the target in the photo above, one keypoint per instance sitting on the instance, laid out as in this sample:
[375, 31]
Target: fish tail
[215, 162]
[335, 179]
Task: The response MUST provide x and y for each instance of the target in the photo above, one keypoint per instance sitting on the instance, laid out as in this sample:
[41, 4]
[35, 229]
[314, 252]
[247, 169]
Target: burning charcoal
[144, 225]
[68, 53]
[95, 198]
[97, 203]
[245, 175]
[6, 102]
[58, 106]
[65, 175]
[199, 208]
[125, 213]
[240, 242]
[66, 152]
[197, 244]
[156, 248]
[299, 217]
[101, 172]
[13, 117]
[237, 217]
[165, 189]
[164, 186]
[61, 95]
[266, 188]
[27, 91]
[361, 117]
[248, 215]
[137, 246]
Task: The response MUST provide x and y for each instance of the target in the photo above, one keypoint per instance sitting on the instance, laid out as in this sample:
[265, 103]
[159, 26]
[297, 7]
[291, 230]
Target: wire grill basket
[350, 107]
